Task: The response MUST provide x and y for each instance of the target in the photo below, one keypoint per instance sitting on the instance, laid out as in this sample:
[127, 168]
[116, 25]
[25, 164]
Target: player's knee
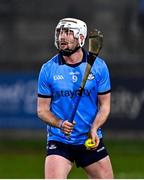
[108, 174]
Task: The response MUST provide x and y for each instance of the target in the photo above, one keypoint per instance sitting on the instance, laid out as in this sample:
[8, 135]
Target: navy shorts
[77, 153]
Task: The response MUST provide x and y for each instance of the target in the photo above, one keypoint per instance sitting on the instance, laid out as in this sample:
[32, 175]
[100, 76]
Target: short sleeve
[44, 88]
[104, 85]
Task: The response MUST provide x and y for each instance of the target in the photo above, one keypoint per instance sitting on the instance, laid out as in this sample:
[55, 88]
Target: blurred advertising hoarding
[127, 105]
[18, 92]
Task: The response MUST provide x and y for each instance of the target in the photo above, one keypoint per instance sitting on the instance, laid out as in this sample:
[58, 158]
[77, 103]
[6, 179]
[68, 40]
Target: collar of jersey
[62, 61]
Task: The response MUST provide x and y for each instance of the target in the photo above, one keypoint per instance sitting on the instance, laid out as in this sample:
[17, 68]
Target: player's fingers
[67, 127]
[67, 124]
[67, 132]
[95, 140]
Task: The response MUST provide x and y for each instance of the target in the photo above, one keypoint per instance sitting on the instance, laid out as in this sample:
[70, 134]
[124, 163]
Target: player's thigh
[101, 169]
[57, 167]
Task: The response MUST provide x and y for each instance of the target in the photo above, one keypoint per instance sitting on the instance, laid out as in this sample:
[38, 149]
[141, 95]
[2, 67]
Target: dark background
[27, 39]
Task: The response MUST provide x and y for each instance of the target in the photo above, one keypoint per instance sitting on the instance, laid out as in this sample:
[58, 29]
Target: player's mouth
[63, 43]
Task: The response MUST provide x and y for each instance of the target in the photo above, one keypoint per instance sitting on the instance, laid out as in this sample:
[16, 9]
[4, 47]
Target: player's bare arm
[102, 115]
[44, 113]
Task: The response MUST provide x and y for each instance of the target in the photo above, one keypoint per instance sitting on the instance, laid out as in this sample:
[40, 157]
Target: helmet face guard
[78, 27]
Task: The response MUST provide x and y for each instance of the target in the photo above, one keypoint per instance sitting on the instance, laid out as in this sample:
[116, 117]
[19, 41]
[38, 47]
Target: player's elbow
[40, 113]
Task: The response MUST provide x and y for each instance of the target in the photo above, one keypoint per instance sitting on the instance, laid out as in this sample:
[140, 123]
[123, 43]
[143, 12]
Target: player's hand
[67, 127]
[94, 137]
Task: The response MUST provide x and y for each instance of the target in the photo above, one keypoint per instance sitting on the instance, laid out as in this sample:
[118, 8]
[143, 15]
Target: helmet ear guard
[81, 40]
[77, 26]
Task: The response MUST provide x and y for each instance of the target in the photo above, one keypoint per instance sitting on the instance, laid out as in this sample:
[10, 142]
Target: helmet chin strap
[68, 52]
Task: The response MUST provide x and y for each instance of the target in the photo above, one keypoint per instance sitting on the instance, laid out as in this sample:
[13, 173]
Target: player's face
[67, 40]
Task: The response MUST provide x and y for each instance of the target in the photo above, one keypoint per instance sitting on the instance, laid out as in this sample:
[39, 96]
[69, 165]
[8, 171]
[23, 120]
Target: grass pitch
[24, 159]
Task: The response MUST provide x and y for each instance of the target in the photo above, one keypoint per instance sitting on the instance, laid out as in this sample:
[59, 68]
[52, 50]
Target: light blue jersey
[61, 82]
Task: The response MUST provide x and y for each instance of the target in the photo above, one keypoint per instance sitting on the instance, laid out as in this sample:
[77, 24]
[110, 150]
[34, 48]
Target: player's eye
[58, 30]
[66, 30]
